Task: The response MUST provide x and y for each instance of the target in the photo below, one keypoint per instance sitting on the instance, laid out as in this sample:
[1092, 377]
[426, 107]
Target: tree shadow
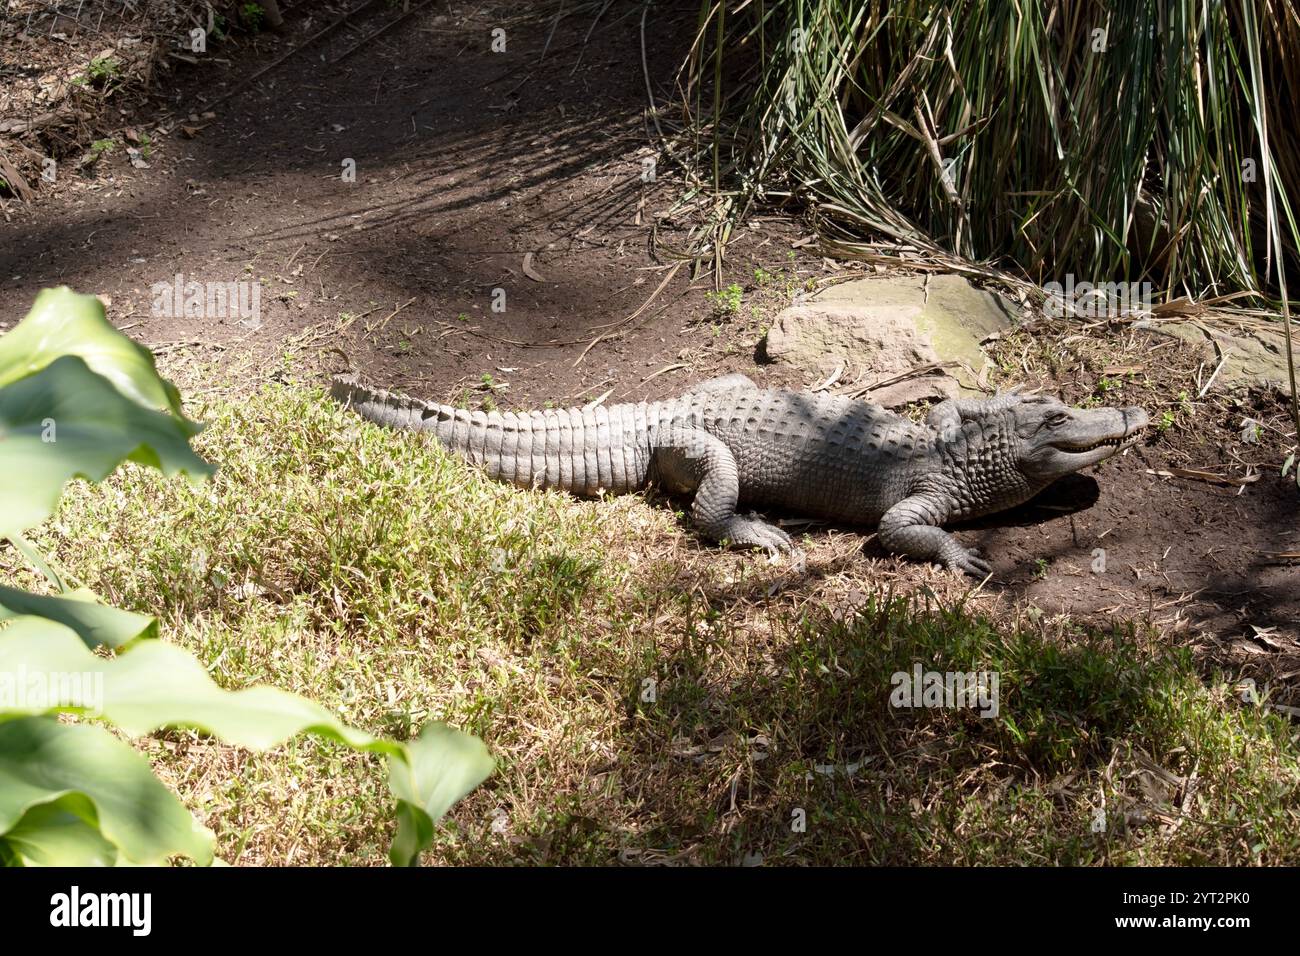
[455, 182]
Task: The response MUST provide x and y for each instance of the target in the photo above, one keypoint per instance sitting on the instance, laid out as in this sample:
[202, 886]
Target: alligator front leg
[911, 527]
[687, 460]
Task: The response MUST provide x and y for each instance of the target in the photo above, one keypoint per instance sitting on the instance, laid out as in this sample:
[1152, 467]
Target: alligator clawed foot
[756, 533]
[968, 561]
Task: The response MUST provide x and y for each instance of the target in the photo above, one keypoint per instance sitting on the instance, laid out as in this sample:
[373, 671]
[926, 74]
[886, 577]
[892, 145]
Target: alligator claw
[754, 533]
[969, 561]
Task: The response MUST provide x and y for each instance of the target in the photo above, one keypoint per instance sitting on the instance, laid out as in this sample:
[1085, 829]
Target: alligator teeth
[1110, 442]
[1100, 444]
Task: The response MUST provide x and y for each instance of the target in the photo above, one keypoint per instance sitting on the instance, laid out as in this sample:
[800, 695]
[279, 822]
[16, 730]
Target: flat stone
[1256, 358]
[879, 328]
[821, 337]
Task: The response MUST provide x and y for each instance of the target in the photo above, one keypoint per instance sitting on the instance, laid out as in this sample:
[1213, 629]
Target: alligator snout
[1135, 422]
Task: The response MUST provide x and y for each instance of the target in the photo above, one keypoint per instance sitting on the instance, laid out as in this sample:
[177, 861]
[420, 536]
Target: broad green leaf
[80, 610]
[154, 684]
[51, 835]
[445, 765]
[103, 782]
[66, 421]
[61, 323]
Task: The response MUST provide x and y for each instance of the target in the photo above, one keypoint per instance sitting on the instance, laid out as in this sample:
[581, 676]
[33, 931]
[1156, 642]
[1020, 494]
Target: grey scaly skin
[822, 456]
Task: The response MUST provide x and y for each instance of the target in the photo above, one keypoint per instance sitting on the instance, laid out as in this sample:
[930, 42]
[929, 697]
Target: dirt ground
[466, 161]
[479, 171]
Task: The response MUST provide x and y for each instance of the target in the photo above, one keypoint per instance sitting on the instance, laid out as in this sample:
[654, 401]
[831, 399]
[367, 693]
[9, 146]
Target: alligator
[819, 455]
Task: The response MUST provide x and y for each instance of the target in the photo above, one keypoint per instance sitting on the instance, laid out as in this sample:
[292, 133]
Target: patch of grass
[342, 560]
[649, 700]
[1087, 720]
[726, 302]
[102, 69]
[252, 16]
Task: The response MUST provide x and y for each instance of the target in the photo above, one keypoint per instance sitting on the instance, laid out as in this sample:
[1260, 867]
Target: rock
[880, 328]
[821, 337]
[1254, 358]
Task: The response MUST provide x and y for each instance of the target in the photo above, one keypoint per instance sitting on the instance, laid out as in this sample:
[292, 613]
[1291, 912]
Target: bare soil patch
[467, 161]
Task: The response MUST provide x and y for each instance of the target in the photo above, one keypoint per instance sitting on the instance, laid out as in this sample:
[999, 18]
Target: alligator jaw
[1086, 437]
[1135, 426]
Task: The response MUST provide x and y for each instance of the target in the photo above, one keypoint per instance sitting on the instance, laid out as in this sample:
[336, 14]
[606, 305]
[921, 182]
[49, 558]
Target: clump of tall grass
[1113, 139]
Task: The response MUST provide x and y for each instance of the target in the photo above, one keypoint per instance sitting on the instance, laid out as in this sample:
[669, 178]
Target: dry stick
[604, 336]
[613, 326]
[11, 175]
[240, 87]
[384, 321]
[382, 30]
[859, 391]
[644, 305]
[475, 330]
[666, 368]
[1223, 360]
[1196, 474]
[190, 343]
[316, 333]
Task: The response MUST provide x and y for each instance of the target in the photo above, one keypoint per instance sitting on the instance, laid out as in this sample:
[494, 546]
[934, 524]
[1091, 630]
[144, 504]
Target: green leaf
[37, 560]
[61, 323]
[80, 610]
[101, 781]
[51, 834]
[155, 685]
[66, 421]
[445, 765]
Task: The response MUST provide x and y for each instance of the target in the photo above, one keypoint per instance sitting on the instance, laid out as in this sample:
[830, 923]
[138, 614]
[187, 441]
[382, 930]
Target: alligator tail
[583, 451]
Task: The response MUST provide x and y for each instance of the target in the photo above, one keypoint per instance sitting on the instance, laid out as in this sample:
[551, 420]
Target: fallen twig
[1196, 474]
[385, 319]
[666, 368]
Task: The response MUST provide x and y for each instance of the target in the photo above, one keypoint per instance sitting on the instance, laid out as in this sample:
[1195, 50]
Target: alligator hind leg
[686, 460]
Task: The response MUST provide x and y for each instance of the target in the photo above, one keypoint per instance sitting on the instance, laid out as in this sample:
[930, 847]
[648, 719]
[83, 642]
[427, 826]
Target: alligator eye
[1060, 418]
